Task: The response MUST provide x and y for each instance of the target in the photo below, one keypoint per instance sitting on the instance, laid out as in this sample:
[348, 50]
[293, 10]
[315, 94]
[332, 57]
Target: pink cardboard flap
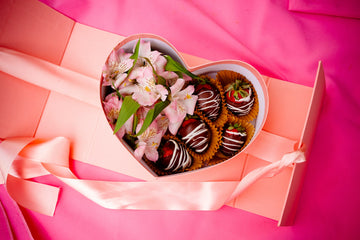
[294, 189]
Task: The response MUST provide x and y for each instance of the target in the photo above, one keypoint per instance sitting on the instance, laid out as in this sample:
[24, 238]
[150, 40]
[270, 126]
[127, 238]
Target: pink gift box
[50, 87]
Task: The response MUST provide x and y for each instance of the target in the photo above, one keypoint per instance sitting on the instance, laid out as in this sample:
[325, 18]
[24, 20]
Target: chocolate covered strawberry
[209, 100]
[173, 156]
[233, 139]
[195, 133]
[239, 97]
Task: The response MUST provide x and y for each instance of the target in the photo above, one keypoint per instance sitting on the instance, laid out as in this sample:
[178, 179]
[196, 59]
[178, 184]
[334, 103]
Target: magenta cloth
[341, 8]
[280, 43]
[13, 226]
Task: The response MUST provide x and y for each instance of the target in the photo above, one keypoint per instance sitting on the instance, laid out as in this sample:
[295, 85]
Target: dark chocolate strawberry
[195, 133]
[209, 101]
[233, 139]
[239, 97]
[173, 156]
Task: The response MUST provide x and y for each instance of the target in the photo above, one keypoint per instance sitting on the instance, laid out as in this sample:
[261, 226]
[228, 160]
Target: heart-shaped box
[210, 69]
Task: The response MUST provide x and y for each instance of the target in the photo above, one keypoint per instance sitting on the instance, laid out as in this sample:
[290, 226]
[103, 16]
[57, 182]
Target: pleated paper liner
[226, 77]
[223, 115]
[250, 130]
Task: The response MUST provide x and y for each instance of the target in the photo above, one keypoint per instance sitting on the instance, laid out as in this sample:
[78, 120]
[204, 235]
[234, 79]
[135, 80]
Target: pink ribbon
[23, 158]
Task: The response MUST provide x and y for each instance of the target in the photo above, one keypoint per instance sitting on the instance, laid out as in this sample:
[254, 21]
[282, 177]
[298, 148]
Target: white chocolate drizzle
[212, 103]
[198, 140]
[232, 144]
[180, 153]
[244, 109]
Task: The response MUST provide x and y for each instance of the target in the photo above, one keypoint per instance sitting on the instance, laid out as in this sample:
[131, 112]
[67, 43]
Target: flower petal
[152, 154]
[171, 112]
[189, 104]
[112, 106]
[177, 86]
[170, 76]
[140, 150]
[174, 127]
[162, 123]
[130, 89]
[137, 72]
[159, 64]
[144, 49]
[163, 92]
[120, 134]
[145, 98]
[119, 79]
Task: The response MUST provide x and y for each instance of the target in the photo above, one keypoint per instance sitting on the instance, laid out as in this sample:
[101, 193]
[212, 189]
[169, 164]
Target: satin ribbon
[22, 158]
[58, 79]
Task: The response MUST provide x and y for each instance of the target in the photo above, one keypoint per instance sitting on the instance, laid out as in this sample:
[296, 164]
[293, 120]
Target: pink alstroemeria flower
[112, 106]
[162, 123]
[145, 91]
[149, 141]
[155, 57]
[182, 103]
[114, 72]
[170, 77]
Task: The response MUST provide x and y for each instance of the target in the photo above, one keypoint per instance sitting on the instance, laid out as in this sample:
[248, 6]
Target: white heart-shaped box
[160, 44]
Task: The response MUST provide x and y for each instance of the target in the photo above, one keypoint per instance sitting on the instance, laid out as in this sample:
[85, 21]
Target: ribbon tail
[267, 171]
[154, 195]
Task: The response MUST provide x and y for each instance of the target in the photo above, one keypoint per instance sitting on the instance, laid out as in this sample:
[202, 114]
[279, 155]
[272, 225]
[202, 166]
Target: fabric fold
[347, 8]
[12, 222]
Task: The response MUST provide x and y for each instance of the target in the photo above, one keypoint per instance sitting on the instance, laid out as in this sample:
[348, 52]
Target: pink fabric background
[279, 43]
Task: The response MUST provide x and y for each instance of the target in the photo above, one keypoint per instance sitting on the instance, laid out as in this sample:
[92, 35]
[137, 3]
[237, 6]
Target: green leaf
[128, 108]
[174, 66]
[136, 51]
[135, 56]
[152, 114]
[236, 95]
[243, 93]
[229, 87]
[117, 91]
[161, 80]
[245, 85]
[180, 74]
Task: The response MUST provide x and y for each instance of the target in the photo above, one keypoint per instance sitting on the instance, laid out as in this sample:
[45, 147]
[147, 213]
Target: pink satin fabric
[280, 42]
[13, 226]
[27, 157]
[340, 8]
